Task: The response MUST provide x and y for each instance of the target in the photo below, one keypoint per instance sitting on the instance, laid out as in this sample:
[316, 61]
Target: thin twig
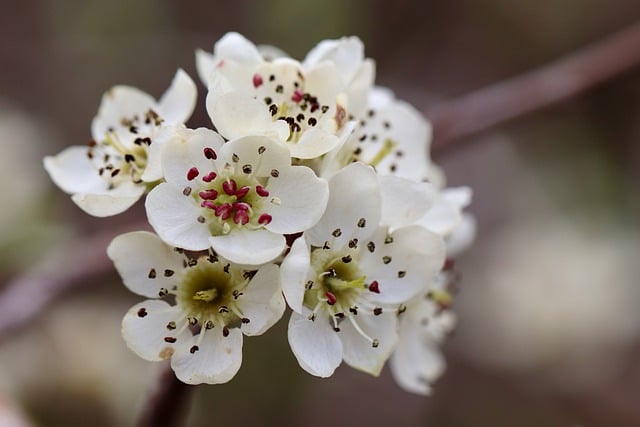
[167, 403]
[542, 87]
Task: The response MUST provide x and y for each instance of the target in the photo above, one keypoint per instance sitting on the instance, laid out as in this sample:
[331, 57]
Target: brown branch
[550, 84]
[70, 266]
[167, 403]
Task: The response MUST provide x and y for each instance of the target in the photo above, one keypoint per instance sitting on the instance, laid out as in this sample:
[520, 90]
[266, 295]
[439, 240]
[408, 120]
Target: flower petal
[359, 353]
[110, 202]
[119, 102]
[249, 247]
[235, 47]
[73, 172]
[346, 53]
[313, 143]
[262, 301]
[295, 271]
[175, 218]
[216, 360]
[404, 201]
[402, 267]
[261, 153]
[138, 253]
[303, 199]
[144, 329]
[446, 213]
[354, 195]
[177, 104]
[315, 344]
[462, 237]
[205, 65]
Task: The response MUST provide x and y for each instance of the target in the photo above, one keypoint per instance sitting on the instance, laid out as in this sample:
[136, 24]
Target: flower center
[122, 154]
[282, 88]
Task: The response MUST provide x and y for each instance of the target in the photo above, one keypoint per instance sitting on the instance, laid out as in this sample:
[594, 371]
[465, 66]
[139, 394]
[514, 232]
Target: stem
[542, 87]
[167, 403]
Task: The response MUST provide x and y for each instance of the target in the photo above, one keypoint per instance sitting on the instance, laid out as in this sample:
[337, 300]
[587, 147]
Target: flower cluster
[314, 189]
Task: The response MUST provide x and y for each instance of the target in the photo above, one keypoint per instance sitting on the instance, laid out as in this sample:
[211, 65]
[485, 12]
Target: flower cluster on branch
[314, 189]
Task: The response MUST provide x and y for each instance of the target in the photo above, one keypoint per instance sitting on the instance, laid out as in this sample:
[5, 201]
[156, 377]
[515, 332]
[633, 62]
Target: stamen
[192, 173]
[210, 153]
[209, 177]
[261, 191]
[264, 219]
[257, 80]
[374, 342]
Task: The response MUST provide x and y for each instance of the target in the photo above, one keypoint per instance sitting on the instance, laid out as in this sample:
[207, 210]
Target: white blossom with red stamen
[122, 160]
[304, 107]
[216, 302]
[239, 197]
[346, 277]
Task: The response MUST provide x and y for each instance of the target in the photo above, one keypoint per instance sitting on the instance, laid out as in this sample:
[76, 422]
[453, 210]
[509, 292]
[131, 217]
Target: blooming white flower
[122, 160]
[216, 302]
[424, 322]
[346, 277]
[303, 107]
[239, 197]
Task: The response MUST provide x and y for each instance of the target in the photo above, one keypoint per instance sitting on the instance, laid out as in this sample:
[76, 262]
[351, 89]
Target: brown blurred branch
[167, 403]
[69, 266]
[558, 81]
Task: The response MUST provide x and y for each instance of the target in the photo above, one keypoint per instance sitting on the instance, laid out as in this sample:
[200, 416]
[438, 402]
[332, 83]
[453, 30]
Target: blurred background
[548, 296]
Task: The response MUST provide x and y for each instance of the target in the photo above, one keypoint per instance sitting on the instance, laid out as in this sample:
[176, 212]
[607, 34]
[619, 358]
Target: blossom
[303, 107]
[239, 197]
[216, 302]
[122, 160]
[346, 277]
[423, 324]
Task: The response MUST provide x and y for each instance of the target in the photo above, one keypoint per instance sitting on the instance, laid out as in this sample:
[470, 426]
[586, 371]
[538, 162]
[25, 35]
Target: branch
[556, 82]
[167, 403]
[70, 266]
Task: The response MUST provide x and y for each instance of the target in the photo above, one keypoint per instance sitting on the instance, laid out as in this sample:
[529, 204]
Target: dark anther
[142, 312]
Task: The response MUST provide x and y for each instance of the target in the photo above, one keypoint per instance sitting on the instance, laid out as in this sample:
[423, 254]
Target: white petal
[347, 54]
[216, 361]
[144, 329]
[315, 344]
[177, 103]
[325, 82]
[313, 143]
[303, 199]
[354, 194]
[186, 150]
[358, 90]
[269, 53]
[446, 213]
[205, 65]
[417, 361]
[233, 46]
[358, 351]
[462, 237]
[136, 254]
[250, 247]
[236, 114]
[294, 271]
[414, 257]
[119, 102]
[110, 202]
[262, 301]
[73, 172]
[404, 201]
[153, 170]
[175, 218]
[247, 149]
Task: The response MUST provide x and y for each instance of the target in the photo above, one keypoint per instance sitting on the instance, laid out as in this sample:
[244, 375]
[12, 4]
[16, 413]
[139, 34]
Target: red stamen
[224, 211]
[192, 173]
[209, 153]
[242, 192]
[373, 287]
[264, 219]
[331, 298]
[209, 177]
[257, 80]
[208, 204]
[241, 206]
[297, 95]
[262, 192]
[241, 217]
[449, 264]
[208, 194]
[230, 187]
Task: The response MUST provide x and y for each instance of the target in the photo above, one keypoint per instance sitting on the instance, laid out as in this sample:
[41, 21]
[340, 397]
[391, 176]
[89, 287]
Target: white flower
[216, 302]
[392, 136]
[239, 197]
[122, 160]
[417, 361]
[303, 107]
[347, 276]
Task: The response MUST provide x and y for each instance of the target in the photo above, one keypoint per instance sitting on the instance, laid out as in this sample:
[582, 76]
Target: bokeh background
[549, 324]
